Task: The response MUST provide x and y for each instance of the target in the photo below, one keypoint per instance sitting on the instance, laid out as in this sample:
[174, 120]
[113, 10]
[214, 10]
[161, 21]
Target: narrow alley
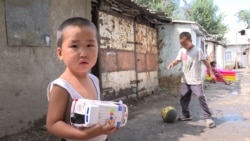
[229, 105]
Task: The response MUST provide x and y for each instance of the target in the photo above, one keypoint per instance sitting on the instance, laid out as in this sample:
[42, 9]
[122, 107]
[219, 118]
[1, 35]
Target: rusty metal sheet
[152, 62]
[141, 38]
[118, 84]
[146, 45]
[152, 40]
[150, 82]
[115, 32]
[108, 60]
[141, 62]
[117, 80]
[126, 60]
[146, 39]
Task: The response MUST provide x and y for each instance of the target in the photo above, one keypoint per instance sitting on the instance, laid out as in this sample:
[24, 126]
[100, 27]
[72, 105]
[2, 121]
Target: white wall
[220, 56]
[234, 37]
[237, 52]
[210, 50]
[244, 60]
[234, 50]
[215, 52]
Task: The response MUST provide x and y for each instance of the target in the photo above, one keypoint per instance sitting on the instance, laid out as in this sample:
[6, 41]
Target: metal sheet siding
[123, 65]
[116, 33]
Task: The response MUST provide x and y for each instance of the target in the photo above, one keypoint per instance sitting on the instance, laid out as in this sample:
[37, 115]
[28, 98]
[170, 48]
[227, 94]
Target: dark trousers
[186, 93]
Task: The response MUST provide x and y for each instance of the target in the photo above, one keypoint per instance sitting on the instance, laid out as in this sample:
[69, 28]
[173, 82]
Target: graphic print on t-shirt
[184, 57]
[187, 62]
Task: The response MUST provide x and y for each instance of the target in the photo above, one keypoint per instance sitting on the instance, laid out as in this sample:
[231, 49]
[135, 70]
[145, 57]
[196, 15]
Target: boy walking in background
[192, 59]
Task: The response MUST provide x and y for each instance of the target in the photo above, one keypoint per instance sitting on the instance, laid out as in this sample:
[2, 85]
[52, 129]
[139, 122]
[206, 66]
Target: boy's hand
[170, 66]
[212, 76]
[107, 129]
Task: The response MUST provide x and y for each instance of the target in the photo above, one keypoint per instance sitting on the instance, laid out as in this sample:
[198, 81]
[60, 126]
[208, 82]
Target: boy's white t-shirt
[191, 65]
[74, 94]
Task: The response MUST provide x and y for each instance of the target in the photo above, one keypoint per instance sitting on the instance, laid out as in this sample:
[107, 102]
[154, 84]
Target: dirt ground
[229, 104]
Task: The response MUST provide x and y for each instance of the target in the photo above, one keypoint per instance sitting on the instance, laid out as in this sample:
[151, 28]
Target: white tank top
[74, 94]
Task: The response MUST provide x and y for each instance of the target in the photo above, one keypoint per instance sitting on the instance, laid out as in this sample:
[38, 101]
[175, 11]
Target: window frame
[228, 56]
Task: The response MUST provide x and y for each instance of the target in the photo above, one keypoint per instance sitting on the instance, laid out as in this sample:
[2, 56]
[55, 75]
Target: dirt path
[229, 104]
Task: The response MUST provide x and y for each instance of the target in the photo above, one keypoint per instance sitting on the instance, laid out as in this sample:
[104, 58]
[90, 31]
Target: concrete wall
[237, 54]
[26, 71]
[169, 47]
[233, 36]
[210, 51]
[233, 50]
[215, 52]
[220, 56]
[244, 60]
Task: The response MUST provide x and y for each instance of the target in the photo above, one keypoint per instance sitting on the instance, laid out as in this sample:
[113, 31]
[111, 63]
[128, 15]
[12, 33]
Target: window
[228, 56]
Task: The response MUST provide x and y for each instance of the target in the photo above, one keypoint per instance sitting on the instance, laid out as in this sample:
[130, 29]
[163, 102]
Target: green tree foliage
[185, 11]
[167, 6]
[203, 12]
[244, 16]
[206, 14]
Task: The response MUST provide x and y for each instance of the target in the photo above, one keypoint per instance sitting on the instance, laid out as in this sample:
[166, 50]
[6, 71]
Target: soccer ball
[169, 114]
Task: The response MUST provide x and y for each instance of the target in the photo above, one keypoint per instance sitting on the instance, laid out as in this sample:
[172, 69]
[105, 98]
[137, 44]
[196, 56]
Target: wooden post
[236, 61]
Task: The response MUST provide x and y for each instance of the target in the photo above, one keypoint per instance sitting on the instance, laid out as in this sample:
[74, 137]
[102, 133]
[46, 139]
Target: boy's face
[186, 43]
[79, 49]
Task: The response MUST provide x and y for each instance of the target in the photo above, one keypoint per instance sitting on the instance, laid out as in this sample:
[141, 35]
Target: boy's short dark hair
[74, 21]
[186, 35]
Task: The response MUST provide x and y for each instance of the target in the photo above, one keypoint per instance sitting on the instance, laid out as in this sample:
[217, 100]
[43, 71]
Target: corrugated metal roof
[132, 9]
